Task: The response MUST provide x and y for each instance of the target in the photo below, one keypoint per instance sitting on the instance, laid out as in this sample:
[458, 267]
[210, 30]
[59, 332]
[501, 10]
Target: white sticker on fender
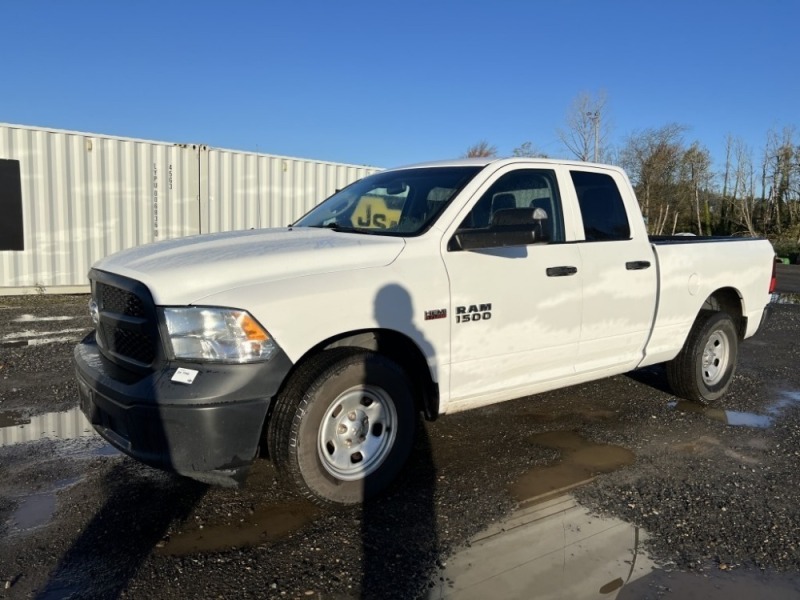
[185, 375]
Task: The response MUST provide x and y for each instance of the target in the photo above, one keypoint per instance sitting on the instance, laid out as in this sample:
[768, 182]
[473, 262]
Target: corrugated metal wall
[85, 196]
[244, 191]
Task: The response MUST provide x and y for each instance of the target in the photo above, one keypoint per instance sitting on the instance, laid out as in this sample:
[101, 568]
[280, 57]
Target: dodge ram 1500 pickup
[422, 290]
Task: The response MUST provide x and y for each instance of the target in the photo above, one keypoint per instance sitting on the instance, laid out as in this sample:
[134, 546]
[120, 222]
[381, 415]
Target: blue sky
[390, 83]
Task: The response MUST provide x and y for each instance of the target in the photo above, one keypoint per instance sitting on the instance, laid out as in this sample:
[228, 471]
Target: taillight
[773, 283]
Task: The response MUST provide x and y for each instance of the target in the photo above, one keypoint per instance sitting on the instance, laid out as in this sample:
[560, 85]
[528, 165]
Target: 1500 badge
[473, 312]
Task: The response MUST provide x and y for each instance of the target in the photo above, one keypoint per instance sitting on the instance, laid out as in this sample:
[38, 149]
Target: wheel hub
[715, 358]
[357, 432]
[352, 428]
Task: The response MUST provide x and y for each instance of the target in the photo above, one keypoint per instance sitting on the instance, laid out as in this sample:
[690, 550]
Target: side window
[602, 209]
[524, 188]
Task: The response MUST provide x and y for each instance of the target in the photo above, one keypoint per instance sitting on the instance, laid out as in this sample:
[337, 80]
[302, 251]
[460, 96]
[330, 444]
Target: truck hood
[184, 270]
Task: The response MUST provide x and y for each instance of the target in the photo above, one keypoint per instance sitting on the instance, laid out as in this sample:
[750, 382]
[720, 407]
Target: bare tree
[652, 159]
[529, 150]
[481, 149]
[587, 127]
[725, 206]
[696, 176]
[742, 191]
[780, 175]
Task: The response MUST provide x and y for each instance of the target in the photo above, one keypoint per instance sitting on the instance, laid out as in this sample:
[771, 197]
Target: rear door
[515, 311]
[619, 275]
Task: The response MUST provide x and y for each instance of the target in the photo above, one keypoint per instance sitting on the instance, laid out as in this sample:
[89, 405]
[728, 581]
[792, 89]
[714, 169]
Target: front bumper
[208, 430]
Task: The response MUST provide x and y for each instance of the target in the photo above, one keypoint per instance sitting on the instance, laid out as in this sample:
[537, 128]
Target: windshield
[404, 202]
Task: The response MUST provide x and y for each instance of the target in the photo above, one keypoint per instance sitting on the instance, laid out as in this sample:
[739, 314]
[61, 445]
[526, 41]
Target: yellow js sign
[372, 212]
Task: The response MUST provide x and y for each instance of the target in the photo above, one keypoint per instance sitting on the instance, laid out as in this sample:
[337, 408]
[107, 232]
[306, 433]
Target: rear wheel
[703, 370]
[343, 427]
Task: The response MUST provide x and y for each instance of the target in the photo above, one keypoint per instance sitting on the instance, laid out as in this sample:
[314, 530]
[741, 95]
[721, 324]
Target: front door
[515, 311]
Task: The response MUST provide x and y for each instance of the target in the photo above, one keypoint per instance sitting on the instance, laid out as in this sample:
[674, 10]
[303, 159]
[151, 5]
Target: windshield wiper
[347, 228]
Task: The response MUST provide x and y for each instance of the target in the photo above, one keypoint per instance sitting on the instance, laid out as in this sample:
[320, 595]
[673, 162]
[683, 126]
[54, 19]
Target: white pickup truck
[428, 289]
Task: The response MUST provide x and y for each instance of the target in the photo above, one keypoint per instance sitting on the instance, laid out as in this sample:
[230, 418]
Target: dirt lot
[716, 488]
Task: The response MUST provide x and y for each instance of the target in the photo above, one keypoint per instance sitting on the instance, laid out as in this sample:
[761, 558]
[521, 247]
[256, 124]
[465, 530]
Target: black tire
[343, 427]
[706, 364]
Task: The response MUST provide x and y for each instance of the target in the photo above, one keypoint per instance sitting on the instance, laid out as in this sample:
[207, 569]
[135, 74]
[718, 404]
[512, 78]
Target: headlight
[217, 334]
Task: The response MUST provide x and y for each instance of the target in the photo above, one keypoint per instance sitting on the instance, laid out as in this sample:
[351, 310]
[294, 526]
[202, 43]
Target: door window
[523, 188]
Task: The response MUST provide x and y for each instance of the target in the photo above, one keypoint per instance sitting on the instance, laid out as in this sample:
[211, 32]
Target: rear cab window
[602, 209]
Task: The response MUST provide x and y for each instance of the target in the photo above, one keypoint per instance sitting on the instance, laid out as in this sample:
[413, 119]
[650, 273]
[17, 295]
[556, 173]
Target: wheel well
[730, 301]
[400, 349]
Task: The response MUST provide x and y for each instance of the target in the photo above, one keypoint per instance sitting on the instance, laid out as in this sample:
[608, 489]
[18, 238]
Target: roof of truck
[484, 161]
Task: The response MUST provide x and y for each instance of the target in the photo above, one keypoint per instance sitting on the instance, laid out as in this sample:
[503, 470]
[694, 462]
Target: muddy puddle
[261, 524]
[15, 428]
[15, 344]
[31, 337]
[785, 298]
[35, 319]
[771, 413]
[36, 510]
[580, 461]
[12, 418]
[745, 584]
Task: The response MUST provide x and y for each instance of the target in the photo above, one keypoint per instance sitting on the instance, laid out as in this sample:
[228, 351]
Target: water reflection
[555, 550]
[785, 298]
[37, 510]
[65, 425]
[741, 419]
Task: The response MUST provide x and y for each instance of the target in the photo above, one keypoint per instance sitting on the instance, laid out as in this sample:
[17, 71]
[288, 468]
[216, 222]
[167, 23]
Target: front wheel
[705, 366]
[343, 427]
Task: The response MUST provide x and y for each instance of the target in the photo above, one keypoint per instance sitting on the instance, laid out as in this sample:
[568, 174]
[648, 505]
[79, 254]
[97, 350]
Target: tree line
[754, 194]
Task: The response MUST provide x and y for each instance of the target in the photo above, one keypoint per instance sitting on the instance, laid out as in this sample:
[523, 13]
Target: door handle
[561, 271]
[637, 265]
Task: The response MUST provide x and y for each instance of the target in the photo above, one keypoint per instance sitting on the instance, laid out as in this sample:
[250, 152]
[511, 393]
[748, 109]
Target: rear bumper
[761, 320]
[209, 430]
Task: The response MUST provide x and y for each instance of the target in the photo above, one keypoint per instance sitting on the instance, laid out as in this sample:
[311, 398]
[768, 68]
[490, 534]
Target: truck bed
[696, 239]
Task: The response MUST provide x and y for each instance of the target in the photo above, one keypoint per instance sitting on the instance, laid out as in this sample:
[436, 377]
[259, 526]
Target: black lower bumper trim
[764, 317]
[209, 430]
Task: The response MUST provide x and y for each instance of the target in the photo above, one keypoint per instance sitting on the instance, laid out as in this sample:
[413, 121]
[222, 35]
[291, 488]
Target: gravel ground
[716, 495]
[39, 378]
[712, 495]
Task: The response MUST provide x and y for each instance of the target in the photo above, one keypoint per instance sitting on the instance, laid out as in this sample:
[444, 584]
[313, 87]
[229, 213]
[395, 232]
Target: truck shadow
[400, 544]
[110, 549]
[654, 376]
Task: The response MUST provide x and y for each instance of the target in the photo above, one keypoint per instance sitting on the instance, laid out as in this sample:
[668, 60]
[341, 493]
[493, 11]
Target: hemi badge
[439, 313]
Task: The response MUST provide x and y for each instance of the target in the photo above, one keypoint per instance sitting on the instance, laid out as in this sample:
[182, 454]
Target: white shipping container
[251, 191]
[85, 196]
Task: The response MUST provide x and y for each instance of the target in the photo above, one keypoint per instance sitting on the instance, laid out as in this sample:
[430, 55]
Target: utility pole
[595, 117]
